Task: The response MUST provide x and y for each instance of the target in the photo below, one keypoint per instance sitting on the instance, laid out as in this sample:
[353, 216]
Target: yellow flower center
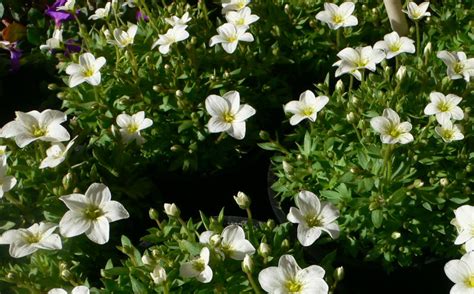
[337, 19]
[470, 281]
[443, 106]
[199, 265]
[231, 39]
[394, 132]
[33, 238]
[88, 72]
[240, 21]
[294, 286]
[93, 212]
[395, 47]
[241, 4]
[313, 221]
[458, 67]
[362, 62]
[39, 132]
[307, 111]
[228, 117]
[448, 135]
[132, 128]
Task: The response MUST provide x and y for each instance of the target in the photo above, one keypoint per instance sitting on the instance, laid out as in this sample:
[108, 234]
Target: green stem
[351, 84]
[397, 64]
[166, 289]
[338, 39]
[418, 44]
[254, 285]
[250, 226]
[387, 162]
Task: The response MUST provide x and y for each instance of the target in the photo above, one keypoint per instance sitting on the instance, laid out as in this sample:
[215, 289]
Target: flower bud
[156, 88]
[68, 181]
[270, 224]
[264, 249]
[401, 73]
[427, 50]
[285, 245]
[247, 264]
[147, 259]
[287, 168]
[339, 86]
[351, 117]
[172, 210]
[444, 182]
[179, 93]
[60, 95]
[286, 8]
[242, 200]
[66, 275]
[264, 135]
[52, 86]
[339, 274]
[418, 183]
[167, 66]
[153, 214]
[11, 276]
[158, 275]
[396, 235]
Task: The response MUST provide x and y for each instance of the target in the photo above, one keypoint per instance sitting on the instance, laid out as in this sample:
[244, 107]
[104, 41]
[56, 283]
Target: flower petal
[73, 224]
[114, 211]
[98, 231]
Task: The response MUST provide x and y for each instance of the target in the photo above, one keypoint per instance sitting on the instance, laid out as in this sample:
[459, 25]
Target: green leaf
[307, 144]
[427, 206]
[138, 287]
[269, 146]
[331, 195]
[125, 241]
[377, 218]
[398, 196]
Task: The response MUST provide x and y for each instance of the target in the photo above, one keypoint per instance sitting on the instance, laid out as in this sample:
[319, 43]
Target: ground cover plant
[367, 122]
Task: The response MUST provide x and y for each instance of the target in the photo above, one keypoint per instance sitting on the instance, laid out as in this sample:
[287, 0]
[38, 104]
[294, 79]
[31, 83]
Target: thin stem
[387, 162]
[397, 64]
[351, 84]
[254, 285]
[166, 289]
[250, 226]
[338, 39]
[418, 44]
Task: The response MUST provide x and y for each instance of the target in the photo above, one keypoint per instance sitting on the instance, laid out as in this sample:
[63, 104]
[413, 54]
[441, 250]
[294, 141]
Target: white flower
[444, 107]
[307, 107]
[233, 5]
[33, 125]
[229, 36]
[68, 6]
[27, 241]
[158, 274]
[288, 277]
[55, 41]
[129, 3]
[313, 217]
[243, 17]
[171, 209]
[227, 114]
[449, 132]
[390, 129]
[233, 243]
[91, 214]
[464, 221]
[86, 71]
[198, 268]
[401, 73]
[179, 21]
[124, 38]
[101, 12]
[461, 272]
[3, 152]
[354, 59]
[130, 126]
[338, 16]
[173, 35]
[76, 290]
[393, 45]
[56, 154]
[6, 182]
[416, 12]
[458, 65]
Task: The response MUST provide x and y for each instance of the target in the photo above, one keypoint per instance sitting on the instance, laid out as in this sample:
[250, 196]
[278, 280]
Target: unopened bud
[171, 210]
[418, 183]
[339, 274]
[287, 168]
[52, 86]
[156, 88]
[428, 48]
[270, 224]
[354, 100]
[11, 276]
[264, 249]
[175, 148]
[179, 93]
[158, 275]
[167, 66]
[351, 117]
[66, 275]
[147, 259]
[242, 200]
[153, 214]
[247, 264]
[226, 75]
[396, 235]
[401, 73]
[60, 95]
[285, 244]
[68, 181]
[444, 182]
[340, 86]
[287, 8]
[387, 69]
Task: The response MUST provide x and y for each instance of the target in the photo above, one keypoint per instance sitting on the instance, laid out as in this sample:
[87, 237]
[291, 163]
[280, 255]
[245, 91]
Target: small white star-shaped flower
[393, 45]
[444, 107]
[390, 129]
[338, 16]
[308, 107]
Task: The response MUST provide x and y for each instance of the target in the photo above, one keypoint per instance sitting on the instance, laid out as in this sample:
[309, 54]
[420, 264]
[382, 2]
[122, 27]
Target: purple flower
[15, 54]
[71, 46]
[140, 16]
[58, 16]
